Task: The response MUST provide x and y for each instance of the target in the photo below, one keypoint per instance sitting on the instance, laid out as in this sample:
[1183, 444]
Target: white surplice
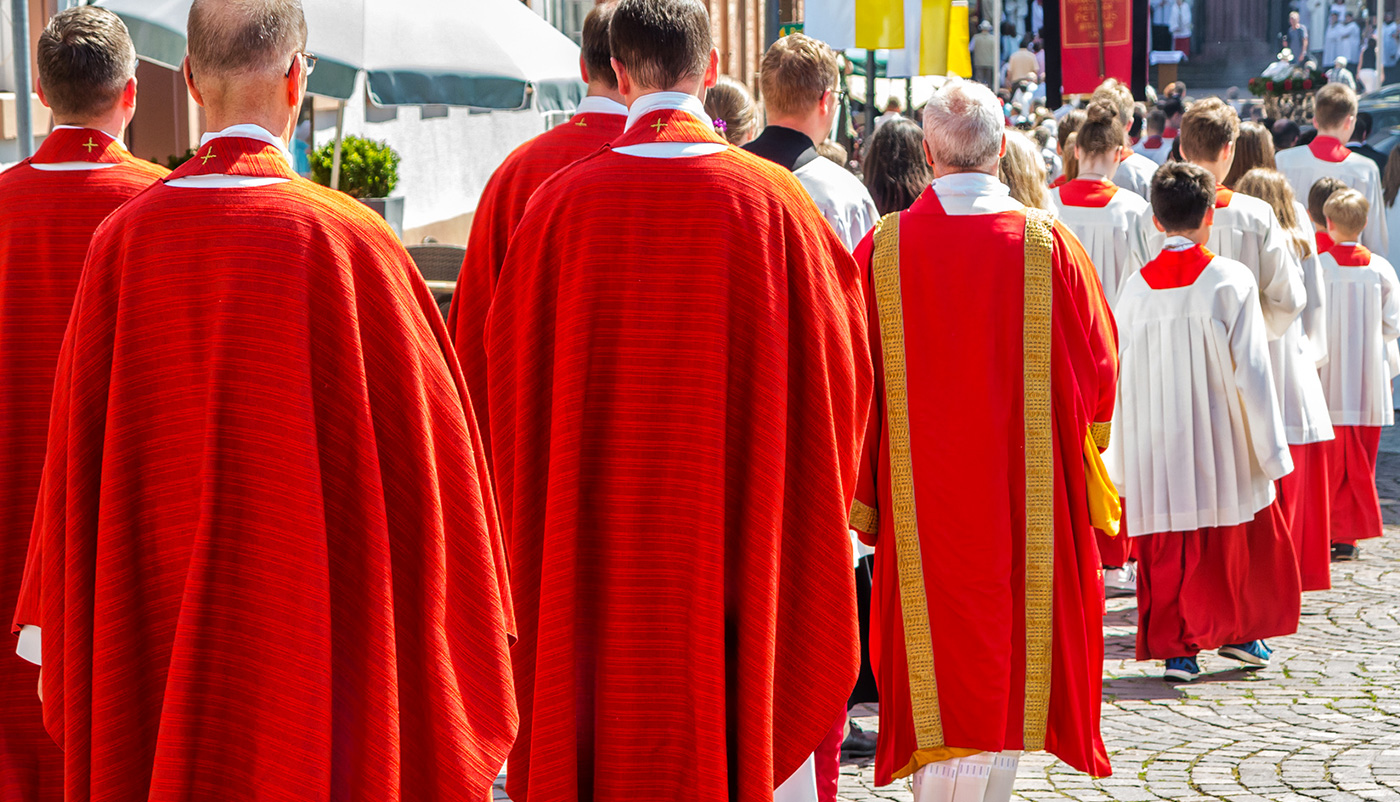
[842, 198]
[1110, 235]
[1296, 355]
[1198, 435]
[1303, 169]
[1135, 175]
[1363, 318]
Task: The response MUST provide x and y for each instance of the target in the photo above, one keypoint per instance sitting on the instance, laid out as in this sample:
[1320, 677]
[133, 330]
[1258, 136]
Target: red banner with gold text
[1096, 39]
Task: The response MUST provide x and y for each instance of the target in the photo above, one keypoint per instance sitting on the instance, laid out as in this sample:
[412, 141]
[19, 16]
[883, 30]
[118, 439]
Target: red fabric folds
[969, 477]
[1223, 196]
[1173, 269]
[679, 379]
[266, 561]
[1324, 241]
[1083, 192]
[1356, 505]
[1329, 149]
[46, 222]
[498, 211]
[1353, 255]
[1212, 587]
[1114, 550]
[1305, 496]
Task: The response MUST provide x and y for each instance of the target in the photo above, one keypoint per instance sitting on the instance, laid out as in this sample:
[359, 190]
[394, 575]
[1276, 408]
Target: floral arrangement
[1296, 84]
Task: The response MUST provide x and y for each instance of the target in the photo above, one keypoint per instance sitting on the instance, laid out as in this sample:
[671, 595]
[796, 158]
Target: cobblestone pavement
[1321, 723]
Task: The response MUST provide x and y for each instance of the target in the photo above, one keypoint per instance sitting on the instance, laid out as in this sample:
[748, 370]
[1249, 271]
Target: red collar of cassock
[235, 155]
[595, 118]
[1324, 242]
[1170, 133]
[1176, 268]
[1351, 255]
[1153, 142]
[79, 145]
[1329, 149]
[667, 125]
[1223, 196]
[1060, 181]
[1085, 193]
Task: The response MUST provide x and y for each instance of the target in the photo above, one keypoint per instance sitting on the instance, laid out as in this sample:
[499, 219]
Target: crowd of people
[718, 439]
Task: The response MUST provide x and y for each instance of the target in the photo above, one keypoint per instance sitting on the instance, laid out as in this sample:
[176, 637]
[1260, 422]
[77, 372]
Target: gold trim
[918, 640]
[1040, 475]
[864, 517]
[1101, 432]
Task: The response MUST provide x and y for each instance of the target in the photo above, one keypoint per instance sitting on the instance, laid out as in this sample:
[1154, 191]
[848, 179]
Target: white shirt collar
[595, 104]
[1175, 243]
[120, 143]
[1348, 244]
[251, 131]
[978, 184]
[657, 101]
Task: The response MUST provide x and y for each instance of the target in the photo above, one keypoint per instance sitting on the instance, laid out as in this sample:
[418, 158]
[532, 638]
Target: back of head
[661, 43]
[244, 38]
[1069, 125]
[1286, 133]
[1272, 187]
[597, 54]
[1118, 96]
[1321, 190]
[1332, 105]
[1254, 148]
[963, 125]
[1102, 131]
[1156, 121]
[1207, 128]
[796, 71]
[1022, 169]
[731, 106]
[896, 171]
[85, 60]
[1139, 119]
[1347, 210]
[1362, 131]
[1182, 193]
[1172, 106]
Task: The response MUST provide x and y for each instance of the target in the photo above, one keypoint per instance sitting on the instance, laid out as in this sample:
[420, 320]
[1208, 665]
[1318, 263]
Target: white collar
[251, 131]
[120, 143]
[1348, 244]
[657, 101]
[596, 104]
[978, 184]
[1176, 243]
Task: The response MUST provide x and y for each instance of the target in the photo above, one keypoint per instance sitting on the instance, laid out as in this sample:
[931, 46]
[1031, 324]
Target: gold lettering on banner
[1080, 20]
[918, 638]
[1040, 474]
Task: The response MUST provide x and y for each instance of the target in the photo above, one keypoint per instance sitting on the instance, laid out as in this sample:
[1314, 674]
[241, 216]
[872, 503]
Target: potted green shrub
[369, 171]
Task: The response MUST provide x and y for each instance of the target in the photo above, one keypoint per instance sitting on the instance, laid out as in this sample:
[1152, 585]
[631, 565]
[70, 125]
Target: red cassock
[265, 563]
[498, 212]
[46, 222]
[1305, 497]
[679, 379]
[949, 460]
[1351, 466]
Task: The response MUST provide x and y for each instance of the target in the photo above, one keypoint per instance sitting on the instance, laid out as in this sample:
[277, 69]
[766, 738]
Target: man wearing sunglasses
[266, 561]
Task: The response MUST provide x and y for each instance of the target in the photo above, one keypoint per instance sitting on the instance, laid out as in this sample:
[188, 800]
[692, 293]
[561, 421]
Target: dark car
[1384, 107]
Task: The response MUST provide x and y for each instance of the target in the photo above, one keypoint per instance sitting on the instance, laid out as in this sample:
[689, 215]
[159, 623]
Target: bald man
[265, 562]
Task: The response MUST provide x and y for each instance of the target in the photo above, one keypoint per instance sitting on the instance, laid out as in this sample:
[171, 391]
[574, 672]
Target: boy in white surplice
[1363, 320]
[1199, 440]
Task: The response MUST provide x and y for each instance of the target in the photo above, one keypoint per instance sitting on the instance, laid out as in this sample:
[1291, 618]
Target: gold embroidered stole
[1040, 482]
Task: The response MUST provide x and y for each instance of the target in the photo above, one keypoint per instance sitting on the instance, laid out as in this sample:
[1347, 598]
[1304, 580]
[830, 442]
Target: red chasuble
[679, 380]
[266, 562]
[501, 206]
[972, 472]
[46, 222]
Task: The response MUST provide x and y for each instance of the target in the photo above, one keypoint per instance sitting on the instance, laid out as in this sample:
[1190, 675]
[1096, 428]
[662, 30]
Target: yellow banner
[880, 24]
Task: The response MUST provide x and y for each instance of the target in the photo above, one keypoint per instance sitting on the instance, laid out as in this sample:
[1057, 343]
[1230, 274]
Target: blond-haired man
[1135, 172]
[798, 78]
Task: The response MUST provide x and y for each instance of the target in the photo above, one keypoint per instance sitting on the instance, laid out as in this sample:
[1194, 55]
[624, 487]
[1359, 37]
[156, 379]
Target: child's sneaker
[1254, 653]
[1181, 669]
[1345, 552]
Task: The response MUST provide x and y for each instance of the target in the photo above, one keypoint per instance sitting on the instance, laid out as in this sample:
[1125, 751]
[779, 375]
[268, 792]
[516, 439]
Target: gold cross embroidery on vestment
[90, 145]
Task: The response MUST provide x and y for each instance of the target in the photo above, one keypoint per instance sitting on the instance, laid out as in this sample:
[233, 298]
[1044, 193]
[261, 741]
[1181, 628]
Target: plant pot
[391, 209]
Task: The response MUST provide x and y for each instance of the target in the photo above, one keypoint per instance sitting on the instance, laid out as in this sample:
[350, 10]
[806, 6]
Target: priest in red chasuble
[49, 206]
[265, 561]
[598, 120]
[981, 487]
[679, 383]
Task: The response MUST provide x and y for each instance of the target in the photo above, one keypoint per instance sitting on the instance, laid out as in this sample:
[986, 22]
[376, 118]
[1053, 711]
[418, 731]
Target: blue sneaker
[1254, 653]
[1181, 669]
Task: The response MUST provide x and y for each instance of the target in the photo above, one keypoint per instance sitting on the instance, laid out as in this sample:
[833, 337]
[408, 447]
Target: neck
[279, 122]
[1200, 236]
[811, 125]
[940, 171]
[597, 89]
[1102, 166]
[1339, 134]
[1218, 169]
[1343, 236]
[691, 86]
[113, 123]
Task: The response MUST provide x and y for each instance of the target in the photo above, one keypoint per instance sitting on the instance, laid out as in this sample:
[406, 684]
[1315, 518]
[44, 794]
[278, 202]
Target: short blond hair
[1207, 128]
[1333, 104]
[796, 71]
[1347, 210]
[1120, 96]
